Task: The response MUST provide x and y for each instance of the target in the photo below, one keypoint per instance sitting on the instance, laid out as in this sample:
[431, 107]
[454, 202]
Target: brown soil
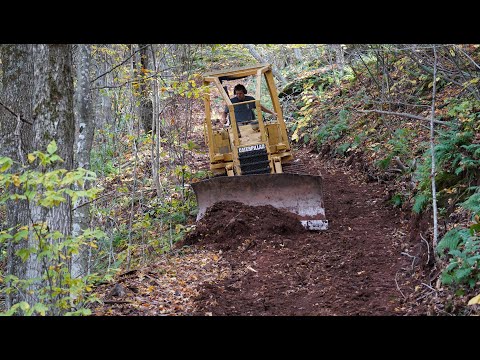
[242, 260]
[278, 268]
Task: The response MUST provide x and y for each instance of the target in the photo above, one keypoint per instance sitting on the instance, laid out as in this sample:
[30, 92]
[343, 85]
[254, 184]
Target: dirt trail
[241, 260]
[353, 268]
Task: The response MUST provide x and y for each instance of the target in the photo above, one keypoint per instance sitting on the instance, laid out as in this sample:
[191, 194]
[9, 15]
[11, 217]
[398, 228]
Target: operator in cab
[243, 113]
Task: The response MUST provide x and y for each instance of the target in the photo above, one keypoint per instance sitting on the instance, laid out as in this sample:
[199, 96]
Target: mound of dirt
[227, 224]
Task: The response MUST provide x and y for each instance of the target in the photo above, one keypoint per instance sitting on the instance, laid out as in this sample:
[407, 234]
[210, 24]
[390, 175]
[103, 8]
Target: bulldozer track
[295, 167]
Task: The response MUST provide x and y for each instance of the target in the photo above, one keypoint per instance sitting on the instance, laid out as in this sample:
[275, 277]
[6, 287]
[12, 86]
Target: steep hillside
[378, 256]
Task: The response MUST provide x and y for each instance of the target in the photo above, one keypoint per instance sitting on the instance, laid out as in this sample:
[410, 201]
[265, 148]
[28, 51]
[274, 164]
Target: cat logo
[251, 148]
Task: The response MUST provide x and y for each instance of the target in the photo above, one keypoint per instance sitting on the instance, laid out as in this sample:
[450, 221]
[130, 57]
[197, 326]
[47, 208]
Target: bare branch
[400, 165]
[118, 65]
[464, 53]
[428, 286]
[398, 287]
[411, 116]
[428, 247]
[16, 115]
[398, 103]
[412, 256]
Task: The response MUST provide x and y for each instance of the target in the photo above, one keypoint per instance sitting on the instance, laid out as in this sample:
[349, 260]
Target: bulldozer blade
[301, 195]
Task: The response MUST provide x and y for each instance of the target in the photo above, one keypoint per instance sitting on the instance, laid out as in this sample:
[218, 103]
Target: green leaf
[29, 194]
[5, 164]
[4, 236]
[51, 199]
[40, 308]
[23, 254]
[52, 147]
[24, 305]
[22, 234]
[79, 312]
[55, 157]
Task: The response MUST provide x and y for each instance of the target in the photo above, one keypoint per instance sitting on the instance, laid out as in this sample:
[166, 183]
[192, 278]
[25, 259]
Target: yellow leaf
[295, 136]
[16, 180]
[475, 300]
[31, 158]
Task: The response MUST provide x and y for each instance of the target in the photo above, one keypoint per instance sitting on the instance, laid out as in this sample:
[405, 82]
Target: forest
[100, 145]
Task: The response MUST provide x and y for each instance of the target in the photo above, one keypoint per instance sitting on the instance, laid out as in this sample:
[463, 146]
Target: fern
[333, 129]
[420, 201]
[452, 239]
[474, 149]
[472, 203]
[342, 149]
[461, 274]
[464, 257]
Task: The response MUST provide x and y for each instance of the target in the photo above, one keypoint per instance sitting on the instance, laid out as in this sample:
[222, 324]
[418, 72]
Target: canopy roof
[236, 73]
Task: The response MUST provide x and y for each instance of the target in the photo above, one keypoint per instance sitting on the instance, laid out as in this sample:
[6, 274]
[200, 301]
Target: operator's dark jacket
[243, 112]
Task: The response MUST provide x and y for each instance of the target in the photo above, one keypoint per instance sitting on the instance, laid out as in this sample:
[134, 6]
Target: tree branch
[411, 116]
[118, 65]
[16, 115]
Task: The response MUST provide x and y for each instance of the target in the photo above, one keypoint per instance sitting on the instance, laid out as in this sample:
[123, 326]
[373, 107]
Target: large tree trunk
[85, 128]
[54, 120]
[15, 141]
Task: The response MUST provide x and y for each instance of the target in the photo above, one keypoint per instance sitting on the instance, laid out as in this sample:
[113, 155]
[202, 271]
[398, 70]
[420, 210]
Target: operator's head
[239, 90]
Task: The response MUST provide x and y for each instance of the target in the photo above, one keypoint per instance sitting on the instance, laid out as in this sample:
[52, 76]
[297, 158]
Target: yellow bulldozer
[248, 158]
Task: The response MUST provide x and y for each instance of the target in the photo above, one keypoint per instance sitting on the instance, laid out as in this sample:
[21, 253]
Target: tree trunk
[85, 128]
[103, 111]
[146, 106]
[15, 142]
[339, 56]
[432, 150]
[54, 120]
[259, 58]
[298, 55]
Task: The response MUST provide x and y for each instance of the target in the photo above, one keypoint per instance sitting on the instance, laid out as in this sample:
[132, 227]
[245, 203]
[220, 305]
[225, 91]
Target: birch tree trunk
[54, 120]
[85, 128]
[15, 141]
[432, 149]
